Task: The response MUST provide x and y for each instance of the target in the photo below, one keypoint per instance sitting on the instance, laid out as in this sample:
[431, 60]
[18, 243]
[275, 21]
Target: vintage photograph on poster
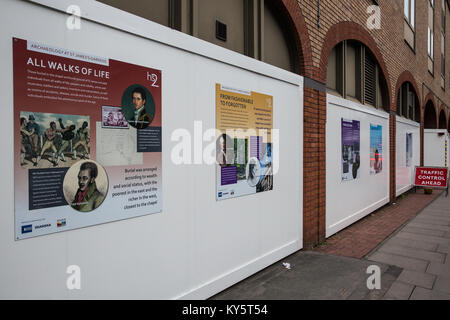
[376, 149]
[243, 156]
[409, 150]
[350, 149]
[112, 117]
[52, 140]
[73, 165]
[266, 182]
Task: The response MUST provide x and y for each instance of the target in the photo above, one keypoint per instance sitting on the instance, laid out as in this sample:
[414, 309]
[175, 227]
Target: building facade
[391, 55]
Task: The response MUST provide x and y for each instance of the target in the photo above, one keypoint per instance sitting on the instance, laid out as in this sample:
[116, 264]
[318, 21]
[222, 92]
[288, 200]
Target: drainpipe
[318, 13]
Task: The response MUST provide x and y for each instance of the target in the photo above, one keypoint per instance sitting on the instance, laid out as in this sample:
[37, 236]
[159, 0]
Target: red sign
[431, 177]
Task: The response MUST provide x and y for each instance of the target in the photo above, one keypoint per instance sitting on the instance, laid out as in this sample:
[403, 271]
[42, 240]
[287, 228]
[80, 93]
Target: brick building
[329, 23]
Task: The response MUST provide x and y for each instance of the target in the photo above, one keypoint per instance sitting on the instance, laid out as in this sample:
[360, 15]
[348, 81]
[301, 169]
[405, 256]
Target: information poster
[376, 149]
[409, 150]
[87, 139]
[244, 122]
[350, 149]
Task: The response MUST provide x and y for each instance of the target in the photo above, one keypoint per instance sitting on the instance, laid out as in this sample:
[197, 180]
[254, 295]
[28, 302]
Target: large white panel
[404, 173]
[196, 247]
[434, 145]
[349, 201]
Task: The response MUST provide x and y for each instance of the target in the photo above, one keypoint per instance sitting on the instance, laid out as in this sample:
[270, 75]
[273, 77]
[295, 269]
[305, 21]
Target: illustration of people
[268, 156]
[67, 136]
[221, 156]
[266, 182]
[33, 129]
[83, 134]
[87, 197]
[377, 164]
[121, 121]
[140, 119]
[355, 166]
[25, 134]
[50, 135]
[253, 172]
[110, 120]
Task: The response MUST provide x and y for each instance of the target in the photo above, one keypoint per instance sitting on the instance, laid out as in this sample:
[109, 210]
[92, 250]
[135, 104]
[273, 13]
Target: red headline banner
[431, 177]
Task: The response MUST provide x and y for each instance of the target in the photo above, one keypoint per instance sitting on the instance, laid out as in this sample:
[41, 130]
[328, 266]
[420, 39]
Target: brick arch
[406, 76]
[442, 122]
[291, 17]
[429, 102]
[350, 31]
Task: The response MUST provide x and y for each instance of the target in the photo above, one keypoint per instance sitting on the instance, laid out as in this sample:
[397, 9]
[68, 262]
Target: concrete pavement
[313, 276]
[414, 263]
[421, 248]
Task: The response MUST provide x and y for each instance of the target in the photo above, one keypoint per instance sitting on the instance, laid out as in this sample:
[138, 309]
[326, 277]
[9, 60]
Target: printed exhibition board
[351, 160]
[244, 123]
[87, 139]
[376, 149]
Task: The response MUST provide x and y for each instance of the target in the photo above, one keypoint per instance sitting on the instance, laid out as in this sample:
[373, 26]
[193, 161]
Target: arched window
[251, 27]
[430, 117]
[408, 102]
[353, 72]
[442, 120]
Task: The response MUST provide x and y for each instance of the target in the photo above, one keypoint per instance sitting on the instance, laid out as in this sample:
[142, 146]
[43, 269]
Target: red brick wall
[314, 188]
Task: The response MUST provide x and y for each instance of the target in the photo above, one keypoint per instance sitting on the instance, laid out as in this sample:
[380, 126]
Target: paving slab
[426, 294]
[445, 219]
[443, 248]
[412, 236]
[408, 243]
[420, 279]
[439, 269]
[427, 226]
[387, 279]
[425, 231]
[413, 253]
[442, 284]
[399, 261]
[399, 291]
[434, 220]
[435, 213]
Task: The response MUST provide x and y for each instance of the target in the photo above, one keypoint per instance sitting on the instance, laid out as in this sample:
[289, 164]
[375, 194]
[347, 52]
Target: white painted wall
[434, 147]
[349, 201]
[196, 247]
[404, 174]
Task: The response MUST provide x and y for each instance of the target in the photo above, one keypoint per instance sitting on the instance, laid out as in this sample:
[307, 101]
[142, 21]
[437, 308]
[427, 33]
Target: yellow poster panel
[244, 122]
